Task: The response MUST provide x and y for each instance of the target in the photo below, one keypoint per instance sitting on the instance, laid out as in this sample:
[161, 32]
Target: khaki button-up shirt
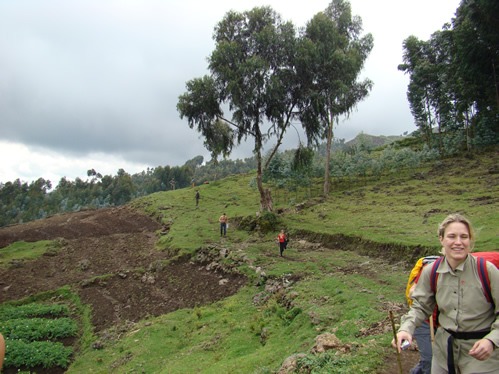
[463, 308]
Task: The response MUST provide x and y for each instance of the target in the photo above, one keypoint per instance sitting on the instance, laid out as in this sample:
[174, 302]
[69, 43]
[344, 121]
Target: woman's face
[456, 243]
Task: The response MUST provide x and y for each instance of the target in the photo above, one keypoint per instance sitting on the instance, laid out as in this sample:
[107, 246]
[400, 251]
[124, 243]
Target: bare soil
[109, 257]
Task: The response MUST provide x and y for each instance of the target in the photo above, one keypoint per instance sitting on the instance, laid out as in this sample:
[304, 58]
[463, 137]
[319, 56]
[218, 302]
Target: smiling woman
[468, 331]
[457, 238]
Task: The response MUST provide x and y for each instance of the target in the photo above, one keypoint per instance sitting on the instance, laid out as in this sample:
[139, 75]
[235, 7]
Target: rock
[84, 264]
[290, 364]
[328, 341]
[315, 319]
[148, 278]
[98, 345]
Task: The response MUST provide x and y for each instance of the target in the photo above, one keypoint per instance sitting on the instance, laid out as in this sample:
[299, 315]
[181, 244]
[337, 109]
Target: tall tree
[476, 35]
[331, 56]
[453, 78]
[253, 76]
[431, 89]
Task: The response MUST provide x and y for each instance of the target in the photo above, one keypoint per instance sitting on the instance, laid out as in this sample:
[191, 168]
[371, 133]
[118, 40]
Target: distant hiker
[467, 337]
[197, 197]
[223, 224]
[283, 241]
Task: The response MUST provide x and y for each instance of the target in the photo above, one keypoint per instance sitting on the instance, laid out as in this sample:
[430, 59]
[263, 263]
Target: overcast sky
[94, 83]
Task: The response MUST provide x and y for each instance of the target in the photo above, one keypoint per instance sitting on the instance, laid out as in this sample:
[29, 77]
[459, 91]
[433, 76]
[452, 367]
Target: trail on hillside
[108, 256]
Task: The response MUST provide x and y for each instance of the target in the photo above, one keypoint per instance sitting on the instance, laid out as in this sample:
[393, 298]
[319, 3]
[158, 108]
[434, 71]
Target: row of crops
[34, 334]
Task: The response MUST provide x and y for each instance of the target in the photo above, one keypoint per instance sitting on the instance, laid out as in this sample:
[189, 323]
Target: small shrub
[268, 222]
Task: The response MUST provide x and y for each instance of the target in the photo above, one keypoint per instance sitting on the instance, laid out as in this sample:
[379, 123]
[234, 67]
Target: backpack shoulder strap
[483, 274]
[434, 275]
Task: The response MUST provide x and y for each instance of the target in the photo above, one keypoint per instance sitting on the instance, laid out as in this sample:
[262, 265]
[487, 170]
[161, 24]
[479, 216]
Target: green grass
[402, 209]
[25, 251]
[329, 288]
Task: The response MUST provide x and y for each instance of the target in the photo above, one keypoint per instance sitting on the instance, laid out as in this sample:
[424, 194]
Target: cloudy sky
[94, 83]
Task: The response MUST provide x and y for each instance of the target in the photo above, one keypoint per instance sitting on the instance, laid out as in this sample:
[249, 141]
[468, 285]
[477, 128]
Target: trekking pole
[432, 329]
[395, 337]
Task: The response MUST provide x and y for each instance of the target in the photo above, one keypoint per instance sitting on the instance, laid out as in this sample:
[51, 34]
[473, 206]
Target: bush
[265, 223]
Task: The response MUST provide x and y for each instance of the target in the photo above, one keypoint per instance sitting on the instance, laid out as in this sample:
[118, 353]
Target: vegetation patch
[41, 333]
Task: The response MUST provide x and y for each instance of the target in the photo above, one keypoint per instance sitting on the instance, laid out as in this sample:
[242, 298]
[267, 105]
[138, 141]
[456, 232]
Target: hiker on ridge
[467, 338]
[198, 196]
[223, 224]
[283, 241]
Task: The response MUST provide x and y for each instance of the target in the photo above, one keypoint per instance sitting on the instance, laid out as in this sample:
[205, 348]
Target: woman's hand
[401, 335]
[482, 349]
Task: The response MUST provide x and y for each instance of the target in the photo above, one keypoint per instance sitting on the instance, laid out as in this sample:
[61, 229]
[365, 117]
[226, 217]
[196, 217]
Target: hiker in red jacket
[467, 338]
[283, 241]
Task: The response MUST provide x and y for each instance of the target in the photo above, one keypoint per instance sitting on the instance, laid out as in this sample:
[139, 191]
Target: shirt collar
[445, 267]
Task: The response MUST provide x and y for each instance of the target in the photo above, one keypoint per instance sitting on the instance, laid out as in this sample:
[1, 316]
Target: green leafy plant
[32, 354]
[39, 328]
[33, 310]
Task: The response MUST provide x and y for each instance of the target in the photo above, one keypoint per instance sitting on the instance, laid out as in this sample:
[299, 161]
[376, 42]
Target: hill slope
[341, 274]
[119, 244]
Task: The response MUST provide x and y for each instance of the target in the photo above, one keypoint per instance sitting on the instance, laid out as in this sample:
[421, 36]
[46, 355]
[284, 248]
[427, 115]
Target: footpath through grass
[324, 290]
[313, 290]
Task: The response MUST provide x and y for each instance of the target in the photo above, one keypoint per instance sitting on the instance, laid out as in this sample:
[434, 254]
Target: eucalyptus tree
[253, 77]
[331, 56]
[453, 78]
[476, 35]
[431, 90]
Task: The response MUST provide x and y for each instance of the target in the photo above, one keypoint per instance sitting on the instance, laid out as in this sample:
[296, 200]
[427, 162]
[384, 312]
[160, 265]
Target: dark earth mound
[117, 246]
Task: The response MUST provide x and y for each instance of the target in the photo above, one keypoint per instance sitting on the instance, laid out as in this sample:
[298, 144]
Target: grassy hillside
[344, 270]
[318, 287]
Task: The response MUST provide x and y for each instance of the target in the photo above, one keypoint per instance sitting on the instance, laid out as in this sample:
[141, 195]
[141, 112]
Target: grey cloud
[80, 82]
[93, 76]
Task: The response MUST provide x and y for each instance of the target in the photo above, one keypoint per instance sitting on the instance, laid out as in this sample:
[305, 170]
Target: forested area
[453, 95]
[454, 86]
[21, 201]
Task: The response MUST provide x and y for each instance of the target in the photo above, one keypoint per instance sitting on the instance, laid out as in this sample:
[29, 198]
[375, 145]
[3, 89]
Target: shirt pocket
[474, 308]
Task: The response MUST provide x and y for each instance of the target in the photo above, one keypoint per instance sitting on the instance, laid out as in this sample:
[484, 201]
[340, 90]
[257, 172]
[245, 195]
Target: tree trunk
[265, 195]
[327, 173]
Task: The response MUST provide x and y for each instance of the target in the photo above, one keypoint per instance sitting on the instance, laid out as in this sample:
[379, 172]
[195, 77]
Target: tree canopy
[454, 87]
[253, 77]
[265, 74]
[332, 55]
